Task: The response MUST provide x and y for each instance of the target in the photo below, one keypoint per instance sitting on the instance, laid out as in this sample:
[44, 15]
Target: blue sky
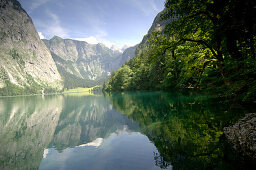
[119, 22]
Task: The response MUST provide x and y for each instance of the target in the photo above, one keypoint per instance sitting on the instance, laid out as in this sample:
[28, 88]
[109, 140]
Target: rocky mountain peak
[25, 60]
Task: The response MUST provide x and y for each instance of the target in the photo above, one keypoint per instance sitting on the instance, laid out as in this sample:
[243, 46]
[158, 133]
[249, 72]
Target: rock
[91, 62]
[242, 135]
[20, 48]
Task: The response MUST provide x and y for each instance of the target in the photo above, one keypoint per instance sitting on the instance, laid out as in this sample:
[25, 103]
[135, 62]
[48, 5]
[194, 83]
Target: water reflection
[67, 132]
[128, 150]
[27, 127]
[84, 119]
[186, 129]
[150, 130]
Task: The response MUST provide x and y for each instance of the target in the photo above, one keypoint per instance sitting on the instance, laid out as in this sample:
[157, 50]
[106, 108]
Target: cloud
[111, 45]
[36, 3]
[41, 35]
[96, 40]
[51, 26]
[90, 40]
[96, 143]
[147, 8]
[55, 27]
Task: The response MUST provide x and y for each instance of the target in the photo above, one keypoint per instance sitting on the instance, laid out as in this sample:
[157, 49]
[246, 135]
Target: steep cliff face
[87, 61]
[25, 61]
[78, 61]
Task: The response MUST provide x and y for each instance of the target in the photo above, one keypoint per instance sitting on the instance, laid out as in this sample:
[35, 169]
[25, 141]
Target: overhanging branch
[202, 42]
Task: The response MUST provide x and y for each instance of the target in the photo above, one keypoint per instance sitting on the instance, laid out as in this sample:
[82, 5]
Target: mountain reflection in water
[148, 130]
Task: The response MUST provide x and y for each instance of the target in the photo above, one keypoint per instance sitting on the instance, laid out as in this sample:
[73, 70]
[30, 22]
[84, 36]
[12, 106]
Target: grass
[80, 91]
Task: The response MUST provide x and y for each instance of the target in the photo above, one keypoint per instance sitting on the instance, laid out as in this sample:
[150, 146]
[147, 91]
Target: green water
[147, 130]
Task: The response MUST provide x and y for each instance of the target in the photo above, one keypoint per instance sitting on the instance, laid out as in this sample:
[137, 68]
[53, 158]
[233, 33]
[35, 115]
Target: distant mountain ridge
[84, 64]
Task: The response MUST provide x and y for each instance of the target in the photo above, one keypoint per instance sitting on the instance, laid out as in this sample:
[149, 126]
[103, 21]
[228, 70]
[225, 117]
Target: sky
[111, 22]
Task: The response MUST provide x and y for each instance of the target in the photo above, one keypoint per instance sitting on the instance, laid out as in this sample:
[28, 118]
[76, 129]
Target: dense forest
[207, 45]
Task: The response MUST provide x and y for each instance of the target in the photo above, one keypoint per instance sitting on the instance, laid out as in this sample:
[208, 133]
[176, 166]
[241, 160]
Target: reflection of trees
[85, 119]
[186, 130]
[27, 127]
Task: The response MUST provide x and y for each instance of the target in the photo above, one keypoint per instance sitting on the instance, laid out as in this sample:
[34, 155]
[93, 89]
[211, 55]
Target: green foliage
[11, 89]
[208, 45]
[121, 79]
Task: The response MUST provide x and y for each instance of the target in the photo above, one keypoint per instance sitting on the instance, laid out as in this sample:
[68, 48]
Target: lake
[138, 131]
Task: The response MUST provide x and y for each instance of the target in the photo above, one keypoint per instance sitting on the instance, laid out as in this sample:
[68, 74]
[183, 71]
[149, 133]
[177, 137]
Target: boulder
[242, 135]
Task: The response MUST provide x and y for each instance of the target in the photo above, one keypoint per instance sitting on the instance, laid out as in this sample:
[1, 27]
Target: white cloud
[96, 143]
[149, 8]
[55, 27]
[90, 40]
[109, 44]
[36, 3]
[52, 26]
[96, 40]
[41, 35]
[128, 46]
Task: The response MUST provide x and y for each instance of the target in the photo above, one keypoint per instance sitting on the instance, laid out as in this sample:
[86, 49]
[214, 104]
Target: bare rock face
[24, 58]
[79, 61]
[83, 60]
[243, 135]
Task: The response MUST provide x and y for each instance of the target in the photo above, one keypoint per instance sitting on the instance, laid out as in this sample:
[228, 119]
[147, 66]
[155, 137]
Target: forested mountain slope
[207, 45]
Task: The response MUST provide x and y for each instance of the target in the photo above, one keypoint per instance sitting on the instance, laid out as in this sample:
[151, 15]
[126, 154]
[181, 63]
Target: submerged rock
[242, 135]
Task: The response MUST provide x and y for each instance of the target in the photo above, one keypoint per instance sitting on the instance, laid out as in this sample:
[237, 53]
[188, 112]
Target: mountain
[26, 65]
[83, 64]
[127, 55]
[158, 25]
[134, 74]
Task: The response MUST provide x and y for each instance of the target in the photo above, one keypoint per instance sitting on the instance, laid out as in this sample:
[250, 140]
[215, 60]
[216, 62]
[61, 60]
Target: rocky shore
[242, 135]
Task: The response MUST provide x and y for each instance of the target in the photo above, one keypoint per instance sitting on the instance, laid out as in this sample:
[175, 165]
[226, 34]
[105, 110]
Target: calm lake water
[144, 131]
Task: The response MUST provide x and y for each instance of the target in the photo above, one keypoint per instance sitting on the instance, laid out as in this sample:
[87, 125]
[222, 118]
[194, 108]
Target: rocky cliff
[25, 61]
[87, 61]
[83, 63]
